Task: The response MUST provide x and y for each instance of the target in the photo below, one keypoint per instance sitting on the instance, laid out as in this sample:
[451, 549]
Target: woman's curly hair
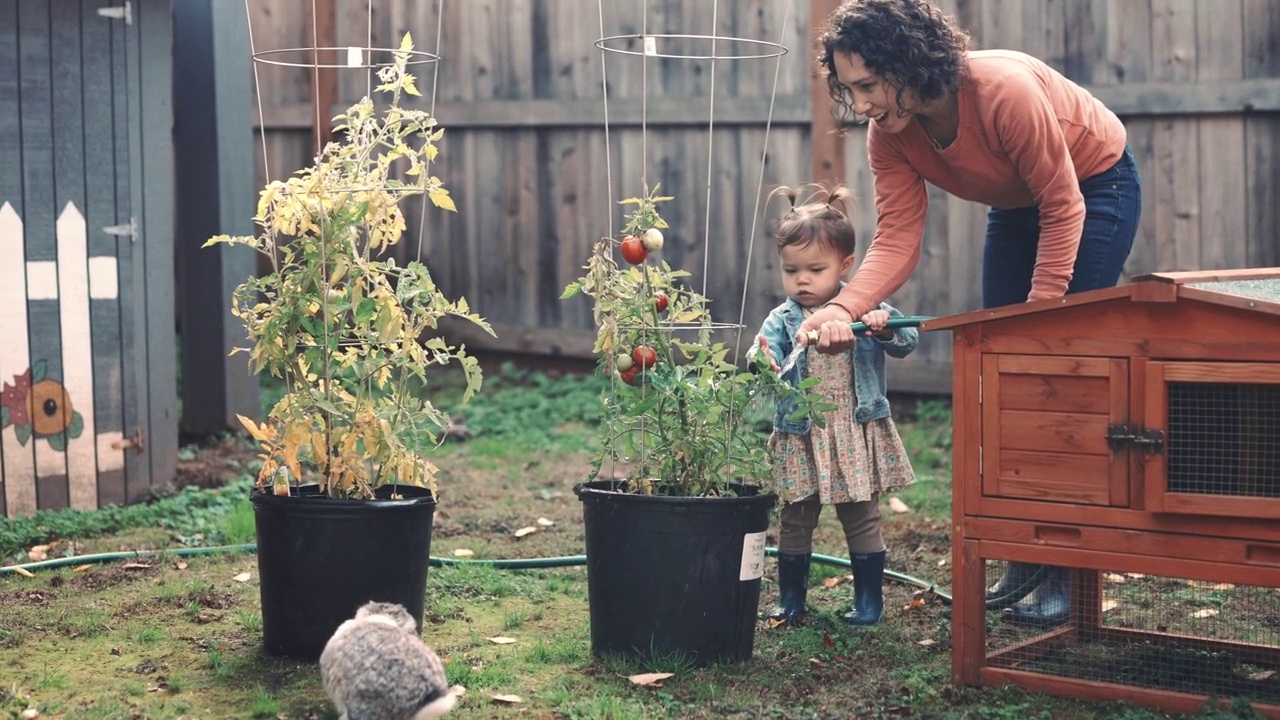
[909, 43]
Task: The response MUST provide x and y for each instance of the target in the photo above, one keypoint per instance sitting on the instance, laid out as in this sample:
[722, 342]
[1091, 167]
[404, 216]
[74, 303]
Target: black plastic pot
[666, 576]
[321, 559]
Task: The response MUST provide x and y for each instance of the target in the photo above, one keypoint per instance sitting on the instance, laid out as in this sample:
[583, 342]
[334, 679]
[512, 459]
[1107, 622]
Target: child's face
[811, 273]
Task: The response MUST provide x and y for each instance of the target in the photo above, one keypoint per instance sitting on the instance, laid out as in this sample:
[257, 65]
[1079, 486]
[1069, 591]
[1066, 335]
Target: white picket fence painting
[48, 423]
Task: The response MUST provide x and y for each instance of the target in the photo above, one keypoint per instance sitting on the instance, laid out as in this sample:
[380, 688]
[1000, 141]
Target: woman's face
[872, 97]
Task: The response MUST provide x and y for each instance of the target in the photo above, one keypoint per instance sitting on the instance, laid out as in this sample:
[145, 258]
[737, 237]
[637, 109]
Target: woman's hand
[828, 330]
[876, 320]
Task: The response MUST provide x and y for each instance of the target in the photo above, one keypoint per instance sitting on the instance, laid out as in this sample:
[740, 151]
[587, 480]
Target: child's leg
[795, 547]
[863, 533]
[862, 526]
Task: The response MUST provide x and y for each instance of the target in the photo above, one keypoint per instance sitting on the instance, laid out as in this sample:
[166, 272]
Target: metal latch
[129, 230]
[135, 442]
[1142, 439]
[125, 12]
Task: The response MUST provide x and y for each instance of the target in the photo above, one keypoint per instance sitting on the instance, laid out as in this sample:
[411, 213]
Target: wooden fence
[520, 93]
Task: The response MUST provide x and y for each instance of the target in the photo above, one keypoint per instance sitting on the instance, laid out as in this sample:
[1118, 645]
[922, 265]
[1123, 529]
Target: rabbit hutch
[1127, 439]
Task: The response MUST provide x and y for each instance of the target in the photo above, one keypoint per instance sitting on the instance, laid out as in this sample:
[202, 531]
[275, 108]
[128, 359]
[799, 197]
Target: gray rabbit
[376, 667]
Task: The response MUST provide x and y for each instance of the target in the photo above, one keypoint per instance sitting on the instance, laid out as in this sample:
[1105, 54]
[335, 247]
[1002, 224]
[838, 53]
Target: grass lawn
[180, 637]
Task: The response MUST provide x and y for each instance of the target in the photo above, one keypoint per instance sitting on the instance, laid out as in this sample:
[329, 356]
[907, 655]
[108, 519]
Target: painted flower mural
[37, 406]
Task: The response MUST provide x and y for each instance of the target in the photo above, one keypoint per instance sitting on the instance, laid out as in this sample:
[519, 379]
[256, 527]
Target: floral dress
[844, 461]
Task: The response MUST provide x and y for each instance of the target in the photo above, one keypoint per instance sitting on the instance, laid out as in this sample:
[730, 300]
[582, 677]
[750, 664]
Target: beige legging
[860, 520]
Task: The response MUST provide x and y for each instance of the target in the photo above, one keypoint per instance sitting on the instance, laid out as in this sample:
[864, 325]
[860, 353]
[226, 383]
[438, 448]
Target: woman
[996, 127]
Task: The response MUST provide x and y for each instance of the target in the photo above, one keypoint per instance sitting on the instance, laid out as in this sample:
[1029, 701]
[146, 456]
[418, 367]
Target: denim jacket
[779, 331]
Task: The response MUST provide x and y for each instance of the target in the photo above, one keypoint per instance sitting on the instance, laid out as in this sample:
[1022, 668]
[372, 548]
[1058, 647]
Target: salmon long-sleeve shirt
[1027, 137]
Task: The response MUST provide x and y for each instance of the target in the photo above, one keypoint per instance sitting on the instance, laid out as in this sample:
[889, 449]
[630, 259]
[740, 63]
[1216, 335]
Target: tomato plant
[633, 250]
[683, 431]
[660, 301]
[644, 356]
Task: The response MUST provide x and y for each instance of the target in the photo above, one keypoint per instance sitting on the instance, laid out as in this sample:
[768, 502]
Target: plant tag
[752, 557]
[354, 57]
[650, 45]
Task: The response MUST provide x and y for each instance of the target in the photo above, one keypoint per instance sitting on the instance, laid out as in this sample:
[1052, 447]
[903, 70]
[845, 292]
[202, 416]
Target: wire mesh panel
[1224, 439]
[1159, 633]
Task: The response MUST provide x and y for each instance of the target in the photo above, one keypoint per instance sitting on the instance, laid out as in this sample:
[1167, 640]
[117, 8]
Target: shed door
[1045, 421]
[66, 256]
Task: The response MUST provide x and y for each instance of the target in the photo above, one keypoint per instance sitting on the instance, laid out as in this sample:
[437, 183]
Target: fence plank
[1262, 138]
[1176, 174]
[1220, 57]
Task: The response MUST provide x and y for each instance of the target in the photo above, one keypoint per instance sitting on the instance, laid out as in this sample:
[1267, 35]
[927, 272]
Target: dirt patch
[207, 598]
[112, 574]
[215, 464]
[30, 598]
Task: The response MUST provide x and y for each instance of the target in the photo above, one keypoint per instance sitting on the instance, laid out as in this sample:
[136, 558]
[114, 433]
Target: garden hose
[498, 564]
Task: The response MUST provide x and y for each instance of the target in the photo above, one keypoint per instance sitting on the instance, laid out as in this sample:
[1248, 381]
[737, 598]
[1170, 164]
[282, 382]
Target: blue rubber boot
[868, 589]
[793, 589]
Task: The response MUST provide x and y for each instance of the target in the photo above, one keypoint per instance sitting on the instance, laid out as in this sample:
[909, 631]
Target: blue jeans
[1113, 204]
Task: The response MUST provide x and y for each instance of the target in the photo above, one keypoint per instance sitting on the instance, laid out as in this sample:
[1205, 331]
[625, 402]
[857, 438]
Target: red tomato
[660, 300]
[633, 250]
[629, 375]
[644, 356]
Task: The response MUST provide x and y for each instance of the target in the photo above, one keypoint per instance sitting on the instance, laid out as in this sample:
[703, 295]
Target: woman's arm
[1030, 134]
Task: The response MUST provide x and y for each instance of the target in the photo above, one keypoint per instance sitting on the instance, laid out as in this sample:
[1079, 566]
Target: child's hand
[764, 348]
[876, 320]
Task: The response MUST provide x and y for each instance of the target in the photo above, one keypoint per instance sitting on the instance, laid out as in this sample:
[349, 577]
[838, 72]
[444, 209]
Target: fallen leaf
[838, 580]
[827, 642]
[136, 566]
[545, 522]
[507, 699]
[463, 552]
[23, 571]
[525, 531]
[1205, 613]
[898, 506]
[1114, 578]
[816, 662]
[500, 640]
[242, 577]
[1262, 675]
[115, 651]
[942, 562]
[1109, 605]
[650, 679]
[926, 642]
[82, 568]
[916, 602]
[775, 622]
[180, 565]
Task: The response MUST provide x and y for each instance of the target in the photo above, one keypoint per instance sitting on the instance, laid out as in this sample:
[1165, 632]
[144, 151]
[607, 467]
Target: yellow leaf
[545, 522]
[463, 552]
[406, 43]
[500, 640]
[650, 679]
[409, 87]
[242, 577]
[525, 531]
[440, 198]
[25, 572]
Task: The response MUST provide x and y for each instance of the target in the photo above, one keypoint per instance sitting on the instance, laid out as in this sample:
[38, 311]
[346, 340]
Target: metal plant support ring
[649, 47]
[271, 57]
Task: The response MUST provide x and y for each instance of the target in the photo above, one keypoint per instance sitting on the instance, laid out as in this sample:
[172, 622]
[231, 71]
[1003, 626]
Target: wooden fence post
[213, 138]
[826, 143]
